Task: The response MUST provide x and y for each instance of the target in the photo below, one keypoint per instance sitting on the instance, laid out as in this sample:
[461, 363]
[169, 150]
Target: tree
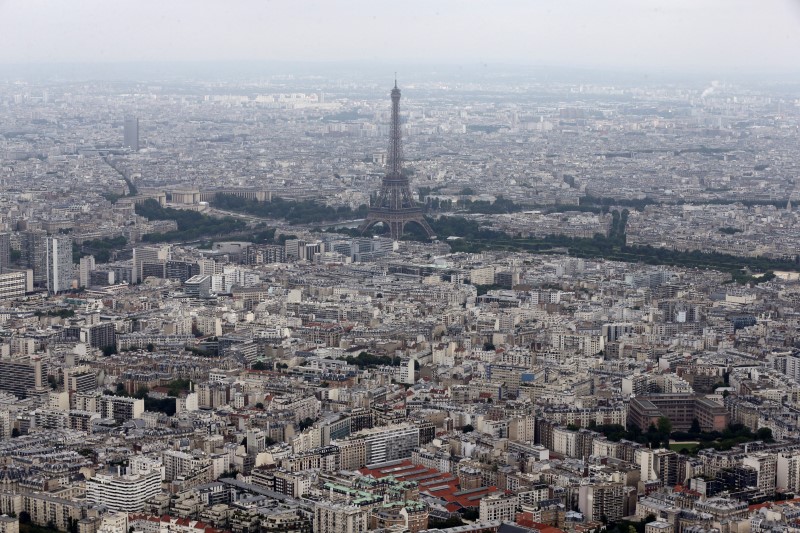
[109, 350]
[150, 347]
[664, 426]
[453, 521]
[471, 513]
[24, 517]
[259, 365]
[695, 429]
[764, 434]
[259, 405]
[15, 433]
[469, 428]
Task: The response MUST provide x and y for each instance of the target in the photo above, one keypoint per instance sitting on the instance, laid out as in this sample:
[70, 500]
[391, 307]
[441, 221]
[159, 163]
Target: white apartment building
[123, 492]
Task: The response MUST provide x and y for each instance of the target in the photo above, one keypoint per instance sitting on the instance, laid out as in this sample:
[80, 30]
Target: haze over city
[679, 35]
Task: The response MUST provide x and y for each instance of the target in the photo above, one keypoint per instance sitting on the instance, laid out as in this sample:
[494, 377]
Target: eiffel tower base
[396, 221]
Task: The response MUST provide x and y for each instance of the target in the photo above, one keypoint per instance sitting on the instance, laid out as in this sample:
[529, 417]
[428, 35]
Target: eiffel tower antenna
[395, 205]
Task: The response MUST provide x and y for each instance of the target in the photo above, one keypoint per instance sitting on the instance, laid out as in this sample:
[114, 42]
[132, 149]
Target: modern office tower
[80, 379]
[59, 263]
[602, 500]
[389, 443]
[664, 465]
[765, 464]
[131, 133]
[177, 463]
[87, 264]
[148, 254]
[120, 408]
[33, 247]
[100, 335]
[181, 270]
[23, 376]
[788, 471]
[102, 278]
[5, 251]
[198, 286]
[395, 206]
[123, 492]
[15, 284]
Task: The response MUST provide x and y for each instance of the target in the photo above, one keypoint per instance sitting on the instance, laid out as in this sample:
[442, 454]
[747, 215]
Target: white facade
[788, 471]
[59, 263]
[498, 507]
[87, 264]
[126, 493]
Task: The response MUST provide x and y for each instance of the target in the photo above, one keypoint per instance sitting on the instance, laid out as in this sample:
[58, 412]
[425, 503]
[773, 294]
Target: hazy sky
[672, 34]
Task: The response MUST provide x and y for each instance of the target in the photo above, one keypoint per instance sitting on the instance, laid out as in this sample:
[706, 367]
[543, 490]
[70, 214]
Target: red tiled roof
[439, 484]
[758, 506]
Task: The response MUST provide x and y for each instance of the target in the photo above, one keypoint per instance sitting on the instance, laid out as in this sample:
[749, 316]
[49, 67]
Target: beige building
[340, 518]
[8, 524]
[498, 507]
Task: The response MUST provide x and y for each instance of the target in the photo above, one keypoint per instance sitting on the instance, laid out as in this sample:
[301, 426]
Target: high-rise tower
[59, 263]
[395, 205]
[131, 133]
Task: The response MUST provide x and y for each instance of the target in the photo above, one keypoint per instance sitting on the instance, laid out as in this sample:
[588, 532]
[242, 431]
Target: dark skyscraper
[395, 205]
[131, 133]
[5, 251]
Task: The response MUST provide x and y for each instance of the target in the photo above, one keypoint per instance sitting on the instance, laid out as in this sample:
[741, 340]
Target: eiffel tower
[395, 206]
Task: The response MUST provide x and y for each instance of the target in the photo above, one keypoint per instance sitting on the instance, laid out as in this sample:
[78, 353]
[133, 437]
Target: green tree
[469, 428]
[695, 429]
[664, 426]
[259, 405]
[764, 434]
[306, 423]
[110, 350]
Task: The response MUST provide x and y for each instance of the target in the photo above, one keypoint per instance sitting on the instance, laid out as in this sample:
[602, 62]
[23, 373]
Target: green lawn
[678, 446]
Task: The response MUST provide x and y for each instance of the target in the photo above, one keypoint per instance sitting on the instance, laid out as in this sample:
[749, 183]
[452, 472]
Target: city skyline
[216, 315]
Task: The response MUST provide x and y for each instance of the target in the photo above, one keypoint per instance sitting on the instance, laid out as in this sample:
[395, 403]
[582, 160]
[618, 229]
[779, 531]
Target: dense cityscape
[510, 301]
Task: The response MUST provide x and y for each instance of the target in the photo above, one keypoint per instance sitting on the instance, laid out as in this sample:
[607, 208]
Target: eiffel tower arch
[395, 206]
